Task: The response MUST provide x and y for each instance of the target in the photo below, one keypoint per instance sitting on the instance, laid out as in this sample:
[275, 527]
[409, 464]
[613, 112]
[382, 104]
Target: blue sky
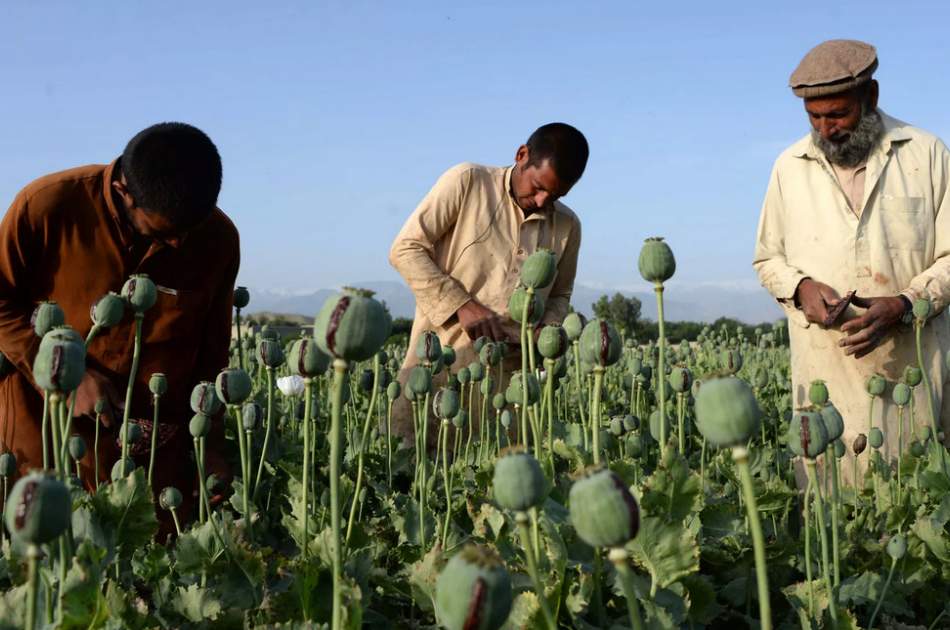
[335, 118]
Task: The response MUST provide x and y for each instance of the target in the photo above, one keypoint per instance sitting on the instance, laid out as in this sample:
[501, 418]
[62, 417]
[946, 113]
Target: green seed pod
[463, 376]
[519, 482]
[600, 343]
[655, 426]
[352, 327]
[7, 464]
[875, 438]
[270, 353]
[818, 393]
[514, 393]
[807, 436]
[840, 449]
[616, 426]
[912, 376]
[366, 381]
[656, 261]
[269, 333]
[108, 310]
[233, 386]
[170, 498]
[876, 385]
[460, 420]
[727, 413]
[393, 391]
[498, 402]
[306, 359]
[476, 371]
[897, 545]
[603, 512]
[132, 431]
[252, 415]
[574, 325]
[553, 342]
[140, 292]
[901, 394]
[539, 269]
[419, 383]
[634, 445]
[60, 362]
[922, 309]
[479, 343]
[473, 592]
[761, 378]
[860, 444]
[448, 356]
[834, 423]
[204, 399]
[122, 468]
[634, 364]
[916, 449]
[38, 509]
[490, 354]
[242, 297]
[681, 380]
[200, 425]
[516, 304]
[631, 423]
[445, 403]
[100, 406]
[158, 384]
[923, 433]
[46, 316]
[77, 447]
[487, 386]
[506, 418]
[731, 361]
[429, 347]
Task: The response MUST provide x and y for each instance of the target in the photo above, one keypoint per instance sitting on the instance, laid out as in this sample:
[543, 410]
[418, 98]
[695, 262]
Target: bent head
[846, 126]
[548, 165]
[170, 180]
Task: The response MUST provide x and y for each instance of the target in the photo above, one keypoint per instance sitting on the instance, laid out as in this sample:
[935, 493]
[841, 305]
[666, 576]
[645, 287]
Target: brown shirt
[65, 238]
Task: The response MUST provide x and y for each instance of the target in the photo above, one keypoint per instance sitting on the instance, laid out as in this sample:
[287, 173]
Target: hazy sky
[334, 118]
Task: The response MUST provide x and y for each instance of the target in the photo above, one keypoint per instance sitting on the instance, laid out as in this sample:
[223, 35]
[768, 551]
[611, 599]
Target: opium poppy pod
[170, 498]
[45, 317]
[473, 592]
[876, 384]
[460, 420]
[487, 386]
[727, 413]
[498, 401]
[476, 371]
[204, 399]
[834, 423]
[122, 468]
[656, 421]
[875, 438]
[519, 482]
[108, 310]
[445, 403]
[818, 393]
[252, 415]
[420, 381]
[901, 394]
[132, 430]
[897, 545]
[600, 343]
[860, 444]
[603, 512]
[539, 269]
[515, 387]
[761, 378]
[490, 354]
[77, 447]
[242, 297]
[393, 390]
[464, 376]
[553, 342]
[233, 386]
[200, 425]
[807, 435]
[140, 292]
[656, 260]
[366, 380]
[306, 359]
[448, 356]
[352, 327]
[922, 309]
[60, 362]
[574, 325]
[270, 353]
[634, 364]
[731, 360]
[913, 376]
[269, 333]
[681, 379]
[158, 384]
[38, 509]
[7, 464]
[429, 347]
[516, 304]
[505, 418]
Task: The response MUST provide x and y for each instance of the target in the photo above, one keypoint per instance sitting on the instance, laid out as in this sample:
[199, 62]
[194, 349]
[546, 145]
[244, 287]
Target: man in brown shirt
[71, 237]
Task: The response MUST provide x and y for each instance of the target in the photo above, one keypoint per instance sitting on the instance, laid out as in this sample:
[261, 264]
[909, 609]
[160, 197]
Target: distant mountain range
[703, 303]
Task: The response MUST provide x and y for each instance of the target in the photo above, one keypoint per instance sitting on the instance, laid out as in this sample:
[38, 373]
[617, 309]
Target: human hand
[95, 386]
[865, 333]
[480, 321]
[816, 300]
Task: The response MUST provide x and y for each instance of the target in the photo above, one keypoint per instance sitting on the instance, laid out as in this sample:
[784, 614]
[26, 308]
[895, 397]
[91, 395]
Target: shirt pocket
[904, 223]
[175, 316]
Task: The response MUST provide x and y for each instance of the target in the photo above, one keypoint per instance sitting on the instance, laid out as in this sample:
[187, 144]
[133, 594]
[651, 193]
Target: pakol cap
[832, 67]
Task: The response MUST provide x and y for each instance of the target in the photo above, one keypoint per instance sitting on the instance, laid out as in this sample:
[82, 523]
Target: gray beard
[855, 149]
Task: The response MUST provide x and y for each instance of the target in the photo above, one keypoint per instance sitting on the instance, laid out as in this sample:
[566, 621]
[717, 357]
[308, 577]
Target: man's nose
[542, 199]
[827, 129]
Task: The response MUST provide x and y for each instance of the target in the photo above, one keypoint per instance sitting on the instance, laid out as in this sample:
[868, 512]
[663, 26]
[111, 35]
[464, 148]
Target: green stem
[33, 582]
[447, 482]
[619, 557]
[741, 456]
[267, 430]
[339, 373]
[44, 431]
[362, 451]
[900, 448]
[524, 367]
[240, 342]
[133, 372]
[595, 415]
[661, 367]
[151, 457]
[521, 518]
[937, 446]
[835, 508]
[389, 446]
[807, 526]
[825, 564]
[887, 585]
[305, 502]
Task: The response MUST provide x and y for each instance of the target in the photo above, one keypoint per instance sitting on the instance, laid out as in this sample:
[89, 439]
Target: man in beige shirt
[861, 203]
[462, 248]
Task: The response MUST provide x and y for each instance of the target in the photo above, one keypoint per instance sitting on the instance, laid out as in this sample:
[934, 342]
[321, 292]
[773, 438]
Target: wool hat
[832, 67]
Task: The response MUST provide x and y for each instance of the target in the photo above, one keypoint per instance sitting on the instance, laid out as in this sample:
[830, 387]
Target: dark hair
[174, 170]
[563, 146]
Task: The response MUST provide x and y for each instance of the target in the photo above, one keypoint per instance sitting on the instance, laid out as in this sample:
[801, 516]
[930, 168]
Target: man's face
[834, 117]
[535, 187]
[150, 225]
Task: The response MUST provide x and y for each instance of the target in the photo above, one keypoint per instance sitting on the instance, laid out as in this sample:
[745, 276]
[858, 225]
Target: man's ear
[522, 154]
[124, 193]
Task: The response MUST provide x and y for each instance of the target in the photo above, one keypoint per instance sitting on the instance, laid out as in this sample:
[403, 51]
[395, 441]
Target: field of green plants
[601, 484]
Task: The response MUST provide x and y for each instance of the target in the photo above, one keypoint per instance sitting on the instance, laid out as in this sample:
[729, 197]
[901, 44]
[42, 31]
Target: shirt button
[521, 251]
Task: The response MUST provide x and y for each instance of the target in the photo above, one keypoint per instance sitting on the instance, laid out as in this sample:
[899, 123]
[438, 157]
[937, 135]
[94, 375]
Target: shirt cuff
[440, 311]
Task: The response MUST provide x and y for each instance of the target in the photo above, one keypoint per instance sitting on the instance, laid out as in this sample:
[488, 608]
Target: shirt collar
[894, 131]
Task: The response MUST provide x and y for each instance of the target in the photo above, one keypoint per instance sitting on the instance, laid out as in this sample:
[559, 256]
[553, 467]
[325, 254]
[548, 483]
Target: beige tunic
[897, 240]
[467, 240]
